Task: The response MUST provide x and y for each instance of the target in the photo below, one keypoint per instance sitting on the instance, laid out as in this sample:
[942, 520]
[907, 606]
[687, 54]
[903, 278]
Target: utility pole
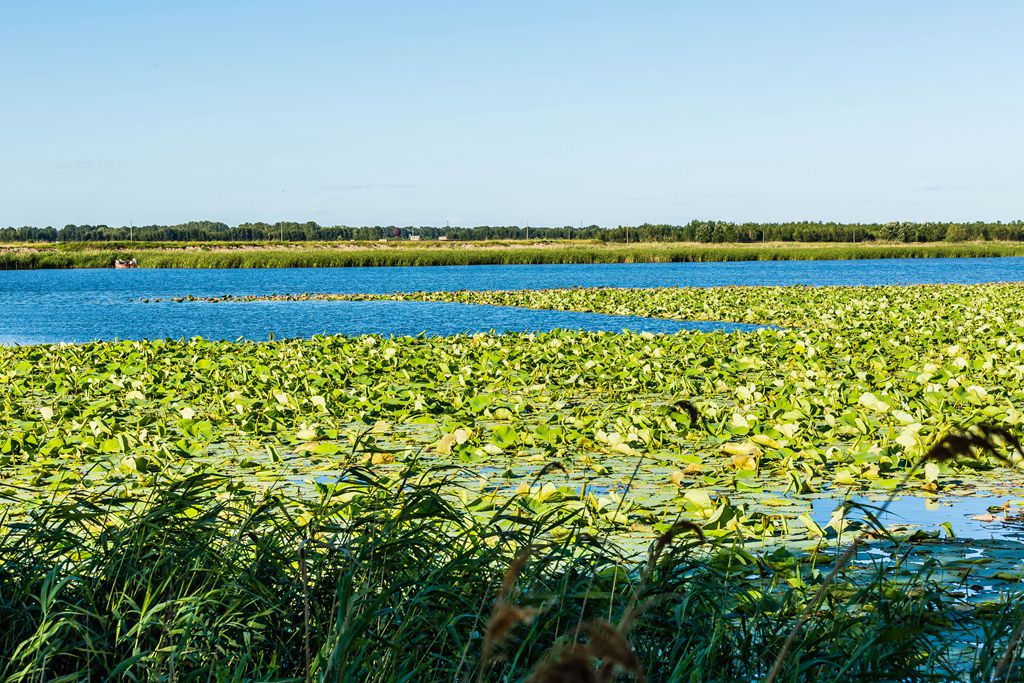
[131, 231]
[527, 231]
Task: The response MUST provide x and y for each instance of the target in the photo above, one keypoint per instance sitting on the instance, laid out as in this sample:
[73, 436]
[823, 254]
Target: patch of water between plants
[259, 321]
[974, 516]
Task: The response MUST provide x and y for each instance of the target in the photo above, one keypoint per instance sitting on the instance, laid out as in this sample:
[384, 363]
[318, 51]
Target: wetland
[745, 460]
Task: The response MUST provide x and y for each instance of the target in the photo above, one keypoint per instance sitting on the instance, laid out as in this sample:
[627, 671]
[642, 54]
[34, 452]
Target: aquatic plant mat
[499, 507]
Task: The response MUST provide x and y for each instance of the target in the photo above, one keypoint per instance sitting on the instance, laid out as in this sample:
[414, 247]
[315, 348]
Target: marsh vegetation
[291, 510]
[17, 256]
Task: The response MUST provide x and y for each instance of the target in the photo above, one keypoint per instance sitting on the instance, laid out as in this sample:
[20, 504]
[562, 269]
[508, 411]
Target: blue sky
[540, 112]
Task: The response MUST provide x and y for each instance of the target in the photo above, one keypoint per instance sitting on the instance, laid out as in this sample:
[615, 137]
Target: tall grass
[452, 255]
[384, 580]
[53, 259]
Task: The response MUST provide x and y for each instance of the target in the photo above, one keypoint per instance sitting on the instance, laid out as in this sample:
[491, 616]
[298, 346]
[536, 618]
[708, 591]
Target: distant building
[442, 238]
[414, 238]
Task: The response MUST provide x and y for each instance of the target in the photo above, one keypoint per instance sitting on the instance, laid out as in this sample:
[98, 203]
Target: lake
[42, 306]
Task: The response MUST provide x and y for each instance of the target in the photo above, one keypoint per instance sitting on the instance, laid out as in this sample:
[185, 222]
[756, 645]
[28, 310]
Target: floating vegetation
[847, 397]
[289, 509]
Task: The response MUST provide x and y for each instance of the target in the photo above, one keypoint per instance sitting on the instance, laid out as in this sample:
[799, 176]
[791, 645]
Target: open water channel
[44, 306]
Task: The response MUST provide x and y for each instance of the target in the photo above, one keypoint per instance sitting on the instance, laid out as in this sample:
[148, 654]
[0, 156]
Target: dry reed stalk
[505, 615]
[306, 637]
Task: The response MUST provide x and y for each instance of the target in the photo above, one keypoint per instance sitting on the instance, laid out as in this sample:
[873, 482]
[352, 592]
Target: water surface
[82, 305]
[280, 320]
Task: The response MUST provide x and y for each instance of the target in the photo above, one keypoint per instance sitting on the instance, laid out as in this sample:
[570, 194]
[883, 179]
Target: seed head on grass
[634, 607]
[578, 663]
[606, 643]
[964, 447]
[505, 615]
[687, 406]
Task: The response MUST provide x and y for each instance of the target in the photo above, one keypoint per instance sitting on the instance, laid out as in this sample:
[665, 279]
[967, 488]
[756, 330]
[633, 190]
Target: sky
[540, 113]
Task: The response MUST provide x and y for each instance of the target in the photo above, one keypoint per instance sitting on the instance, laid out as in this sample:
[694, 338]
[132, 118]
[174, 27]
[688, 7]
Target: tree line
[700, 231]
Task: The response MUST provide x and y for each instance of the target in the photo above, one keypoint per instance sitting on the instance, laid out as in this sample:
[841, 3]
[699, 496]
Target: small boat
[129, 263]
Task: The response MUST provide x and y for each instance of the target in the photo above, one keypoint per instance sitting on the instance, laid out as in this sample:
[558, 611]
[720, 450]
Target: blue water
[961, 512]
[263, 320]
[83, 305]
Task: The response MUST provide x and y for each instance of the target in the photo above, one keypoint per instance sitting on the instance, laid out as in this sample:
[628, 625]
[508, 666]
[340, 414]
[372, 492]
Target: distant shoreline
[410, 253]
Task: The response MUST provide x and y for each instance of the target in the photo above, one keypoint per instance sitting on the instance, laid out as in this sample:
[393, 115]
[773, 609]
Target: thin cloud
[78, 165]
[939, 187]
[659, 198]
[349, 187]
[891, 202]
[740, 196]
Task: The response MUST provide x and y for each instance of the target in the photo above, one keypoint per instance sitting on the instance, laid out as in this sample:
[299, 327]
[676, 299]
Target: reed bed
[281, 256]
[384, 579]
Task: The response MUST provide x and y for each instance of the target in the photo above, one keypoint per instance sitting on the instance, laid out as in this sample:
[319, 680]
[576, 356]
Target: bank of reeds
[385, 580]
[53, 259]
[271, 256]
